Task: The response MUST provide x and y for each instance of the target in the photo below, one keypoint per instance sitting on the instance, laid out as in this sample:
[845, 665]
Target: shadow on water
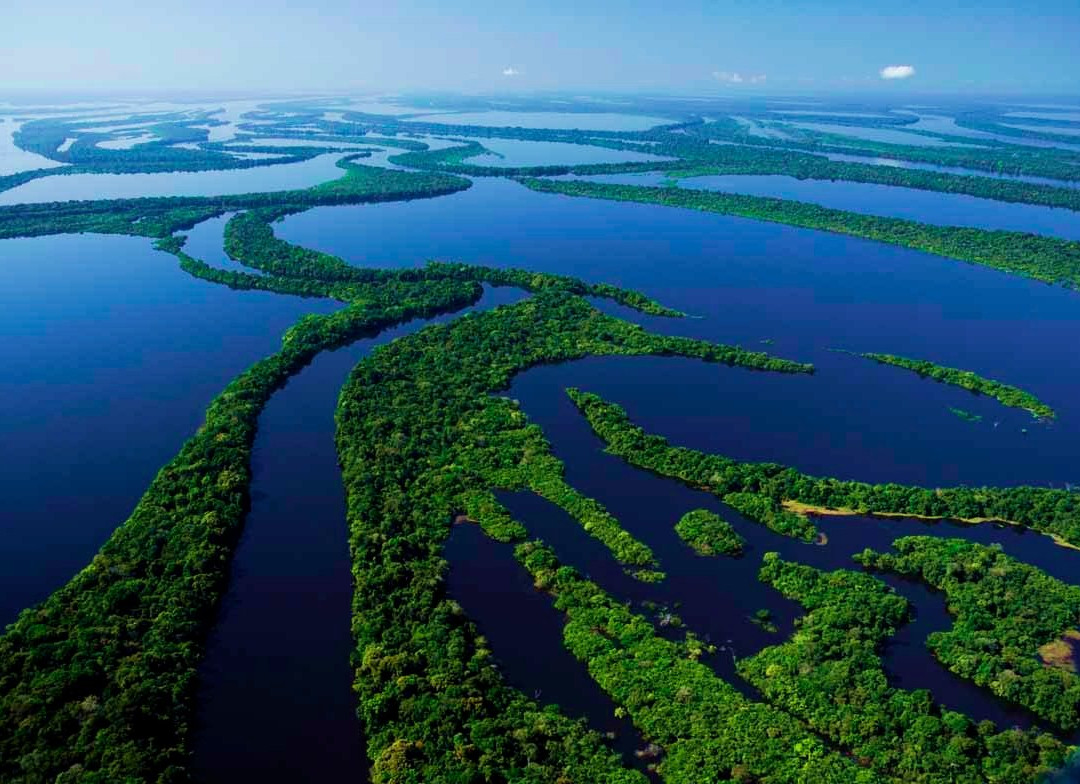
[274, 701]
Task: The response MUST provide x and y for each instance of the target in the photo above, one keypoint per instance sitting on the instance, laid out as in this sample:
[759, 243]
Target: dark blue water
[275, 701]
[113, 354]
[747, 281]
[110, 355]
[716, 597]
[942, 209]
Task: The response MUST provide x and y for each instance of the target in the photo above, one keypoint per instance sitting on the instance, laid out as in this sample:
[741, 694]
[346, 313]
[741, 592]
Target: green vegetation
[989, 156]
[1003, 393]
[992, 122]
[709, 534]
[763, 618]
[159, 217]
[694, 159]
[97, 682]
[749, 160]
[967, 416]
[250, 240]
[707, 729]
[1005, 611]
[830, 675]
[46, 137]
[421, 440]
[774, 487]
[1043, 258]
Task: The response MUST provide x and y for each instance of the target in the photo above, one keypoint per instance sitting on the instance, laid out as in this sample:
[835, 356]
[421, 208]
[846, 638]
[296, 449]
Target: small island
[709, 534]
[1004, 393]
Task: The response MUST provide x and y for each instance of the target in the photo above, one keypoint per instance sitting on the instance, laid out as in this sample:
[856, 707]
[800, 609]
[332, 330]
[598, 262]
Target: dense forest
[1005, 611]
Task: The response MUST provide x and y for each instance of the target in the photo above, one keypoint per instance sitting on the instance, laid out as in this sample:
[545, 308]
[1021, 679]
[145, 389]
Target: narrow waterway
[275, 702]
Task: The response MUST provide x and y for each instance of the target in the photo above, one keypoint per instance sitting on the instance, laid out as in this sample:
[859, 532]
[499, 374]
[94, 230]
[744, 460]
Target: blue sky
[772, 45]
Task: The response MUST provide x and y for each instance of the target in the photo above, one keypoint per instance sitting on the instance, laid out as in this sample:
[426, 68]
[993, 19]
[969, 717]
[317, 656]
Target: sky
[495, 45]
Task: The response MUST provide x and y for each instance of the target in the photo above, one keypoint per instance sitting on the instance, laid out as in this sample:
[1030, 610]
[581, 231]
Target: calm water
[515, 152]
[275, 700]
[593, 121]
[944, 209]
[105, 332]
[110, 356]
[214, 183]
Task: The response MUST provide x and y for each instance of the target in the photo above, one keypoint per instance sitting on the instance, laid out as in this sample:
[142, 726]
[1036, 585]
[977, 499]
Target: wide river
[112, 354]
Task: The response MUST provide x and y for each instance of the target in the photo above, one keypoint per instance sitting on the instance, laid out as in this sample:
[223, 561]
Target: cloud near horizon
[511, 71]
[897, 71]
[736, 78]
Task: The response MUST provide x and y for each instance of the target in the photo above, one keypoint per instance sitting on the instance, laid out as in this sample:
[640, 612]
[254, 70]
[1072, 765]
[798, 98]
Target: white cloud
[511, 71]
[738, 78]
[897, 71]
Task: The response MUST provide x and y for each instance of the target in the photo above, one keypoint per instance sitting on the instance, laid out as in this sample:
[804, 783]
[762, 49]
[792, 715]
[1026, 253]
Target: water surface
[110, 355]
[211, 183]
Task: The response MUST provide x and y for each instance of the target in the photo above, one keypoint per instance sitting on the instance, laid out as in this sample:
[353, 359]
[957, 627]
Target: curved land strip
[775, 487]
[707, 730]
[1005, 394]
[160, 217]
[50, 138]
[744, 153]
[98, 680]
[1043, 258]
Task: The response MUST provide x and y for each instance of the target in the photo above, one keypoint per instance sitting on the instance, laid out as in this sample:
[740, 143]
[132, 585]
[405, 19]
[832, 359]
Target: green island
[989, 156]
[160, 217]
[777, 489]
[74, 710]
[1005, 612]
[709, 534]
[967, 416]
[965, 379]
[708, 730]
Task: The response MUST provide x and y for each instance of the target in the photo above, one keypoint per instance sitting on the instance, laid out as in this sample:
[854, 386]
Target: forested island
[965, 379]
